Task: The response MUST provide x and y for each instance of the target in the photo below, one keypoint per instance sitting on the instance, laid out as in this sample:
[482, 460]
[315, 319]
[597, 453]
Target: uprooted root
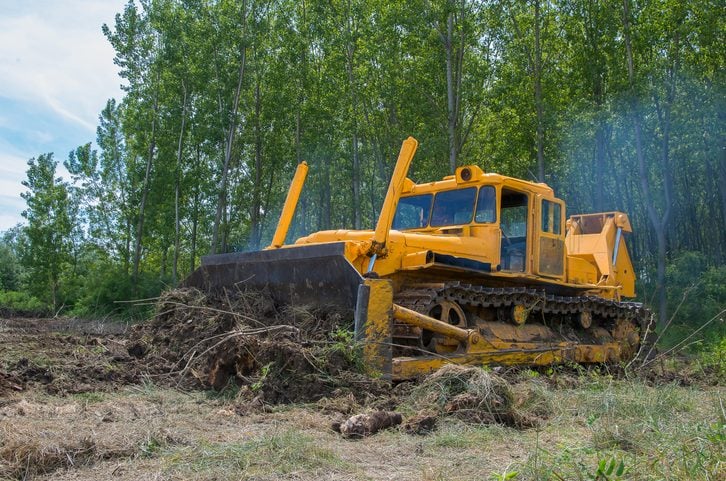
[362, 425]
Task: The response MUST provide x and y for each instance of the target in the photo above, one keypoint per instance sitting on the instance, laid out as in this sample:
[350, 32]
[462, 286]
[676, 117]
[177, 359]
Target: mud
[420, 423]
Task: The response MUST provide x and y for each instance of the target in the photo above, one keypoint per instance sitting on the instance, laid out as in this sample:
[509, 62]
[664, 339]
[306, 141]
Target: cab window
[486, 205]
[551, 221]
[453, 207]
[514, 214]
[412, 212]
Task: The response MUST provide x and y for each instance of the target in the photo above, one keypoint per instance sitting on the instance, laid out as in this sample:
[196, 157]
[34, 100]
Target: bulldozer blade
[316, 275]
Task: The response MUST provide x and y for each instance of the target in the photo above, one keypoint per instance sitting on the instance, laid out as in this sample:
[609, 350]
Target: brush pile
[241, 340]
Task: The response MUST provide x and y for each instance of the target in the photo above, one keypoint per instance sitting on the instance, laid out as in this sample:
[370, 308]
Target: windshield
[412, 212]
[453, 207]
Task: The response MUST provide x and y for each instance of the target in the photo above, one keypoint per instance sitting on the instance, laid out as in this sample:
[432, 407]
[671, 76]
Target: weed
[609, 470]
[264, 372]
[151, 446]
[505, 475]
[344, 343]
[91, 397]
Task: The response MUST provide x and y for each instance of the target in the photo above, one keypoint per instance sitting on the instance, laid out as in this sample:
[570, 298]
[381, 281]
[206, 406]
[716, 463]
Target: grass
[665, 432]
[279, 453]
[459, 435]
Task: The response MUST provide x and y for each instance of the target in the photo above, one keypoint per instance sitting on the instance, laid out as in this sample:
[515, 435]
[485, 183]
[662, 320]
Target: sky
[56, 73]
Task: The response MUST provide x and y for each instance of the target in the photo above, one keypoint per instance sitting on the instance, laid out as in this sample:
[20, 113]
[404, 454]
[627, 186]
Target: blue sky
[56, 73]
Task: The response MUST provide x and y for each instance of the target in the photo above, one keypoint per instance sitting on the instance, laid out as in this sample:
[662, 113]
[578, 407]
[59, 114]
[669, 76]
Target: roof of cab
[475, 177]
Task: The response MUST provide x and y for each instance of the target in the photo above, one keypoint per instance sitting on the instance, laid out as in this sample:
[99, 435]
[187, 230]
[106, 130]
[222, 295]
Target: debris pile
[240, 340]
[473, 395]
[362, 425]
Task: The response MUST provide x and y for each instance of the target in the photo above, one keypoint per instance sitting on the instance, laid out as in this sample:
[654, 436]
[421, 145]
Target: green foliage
[9, 267]
[344, 343]
[713, 359]
[106, 290]
[696, 293]
[609, 470]
[21, 303]
[50, 216]
[505, 475]
[260, 383]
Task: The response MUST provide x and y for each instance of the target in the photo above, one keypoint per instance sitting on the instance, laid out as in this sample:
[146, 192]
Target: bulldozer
[477, 268]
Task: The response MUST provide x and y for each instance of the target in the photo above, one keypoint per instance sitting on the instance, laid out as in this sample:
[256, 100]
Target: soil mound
[240, 340]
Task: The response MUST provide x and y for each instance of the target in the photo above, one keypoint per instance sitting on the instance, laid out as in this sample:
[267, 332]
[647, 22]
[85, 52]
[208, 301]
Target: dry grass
[478, 396]
[666, 432]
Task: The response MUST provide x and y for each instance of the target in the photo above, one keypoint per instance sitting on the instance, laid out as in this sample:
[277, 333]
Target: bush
[15, 303]
[103, 288]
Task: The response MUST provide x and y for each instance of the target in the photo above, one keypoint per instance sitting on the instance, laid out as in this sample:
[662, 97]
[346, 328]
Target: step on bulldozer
[477, 268]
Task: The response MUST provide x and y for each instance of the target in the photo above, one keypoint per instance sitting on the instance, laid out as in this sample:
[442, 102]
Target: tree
[49, 228]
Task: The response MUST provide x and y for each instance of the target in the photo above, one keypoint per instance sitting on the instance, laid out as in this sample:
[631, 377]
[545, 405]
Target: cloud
[56, 73]
[54, 54]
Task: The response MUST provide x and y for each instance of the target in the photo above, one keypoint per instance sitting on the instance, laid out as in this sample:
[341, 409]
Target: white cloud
[56, 73]
[54, 54]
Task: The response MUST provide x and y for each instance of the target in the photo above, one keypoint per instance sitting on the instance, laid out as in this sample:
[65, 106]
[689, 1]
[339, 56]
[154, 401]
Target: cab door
[549, 242]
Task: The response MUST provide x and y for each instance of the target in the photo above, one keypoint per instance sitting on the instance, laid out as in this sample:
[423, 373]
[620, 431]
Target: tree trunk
[195, 220]
[255, 227]
[144, 193]
[539, 107]
[450, 91]
[164, 260]
[177, 187]
[325, 217]
[721, 169]
[350, 63]
[600, 159]
[295, 227]
[230, 140]
[659, 222]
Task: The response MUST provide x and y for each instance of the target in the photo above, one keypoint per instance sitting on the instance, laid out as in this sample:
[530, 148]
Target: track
[519, 316]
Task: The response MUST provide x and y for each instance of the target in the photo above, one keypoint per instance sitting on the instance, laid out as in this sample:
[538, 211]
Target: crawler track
[520, 316]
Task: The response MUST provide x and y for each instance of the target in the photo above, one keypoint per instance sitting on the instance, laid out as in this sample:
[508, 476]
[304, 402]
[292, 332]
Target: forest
[616, 104]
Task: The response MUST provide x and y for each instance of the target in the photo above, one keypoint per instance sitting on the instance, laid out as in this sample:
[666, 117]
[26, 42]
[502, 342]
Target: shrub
[18, 303]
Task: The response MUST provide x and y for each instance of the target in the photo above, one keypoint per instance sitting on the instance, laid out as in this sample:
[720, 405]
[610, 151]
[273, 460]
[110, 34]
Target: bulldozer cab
[513, 224]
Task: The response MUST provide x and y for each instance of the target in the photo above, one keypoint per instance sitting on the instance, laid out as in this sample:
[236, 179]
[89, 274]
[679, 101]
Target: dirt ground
[95, 401]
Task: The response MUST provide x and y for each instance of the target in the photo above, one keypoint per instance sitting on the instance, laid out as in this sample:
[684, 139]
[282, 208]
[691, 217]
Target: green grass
[667, 432]
[91, 397]
[456, 434]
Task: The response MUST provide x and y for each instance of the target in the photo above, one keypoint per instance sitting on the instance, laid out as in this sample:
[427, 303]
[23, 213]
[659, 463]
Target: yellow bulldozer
[477, 268]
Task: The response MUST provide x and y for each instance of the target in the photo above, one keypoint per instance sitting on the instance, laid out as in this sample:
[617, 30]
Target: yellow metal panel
[377, 344]
[385, 219]
[508, 354]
